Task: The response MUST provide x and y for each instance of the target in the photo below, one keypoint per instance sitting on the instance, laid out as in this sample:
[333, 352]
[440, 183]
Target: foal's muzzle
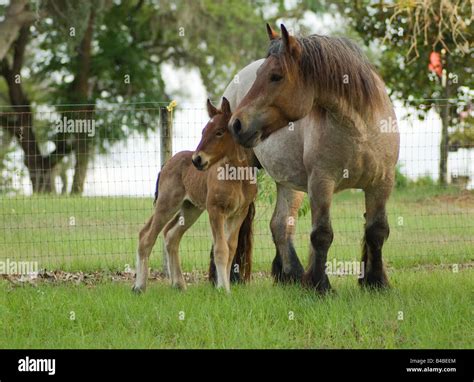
[199, 162]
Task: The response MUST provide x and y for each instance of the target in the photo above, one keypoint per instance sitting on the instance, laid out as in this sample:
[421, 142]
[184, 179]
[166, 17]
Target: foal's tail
[156, 188]
[243, 254]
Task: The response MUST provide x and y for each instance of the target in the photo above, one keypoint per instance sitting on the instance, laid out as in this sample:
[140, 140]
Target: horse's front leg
[320, 193]
[286, 267]
[376, 232]
[221, 248]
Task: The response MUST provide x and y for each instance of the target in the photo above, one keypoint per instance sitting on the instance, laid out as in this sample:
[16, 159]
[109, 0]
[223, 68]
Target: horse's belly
[281, 155]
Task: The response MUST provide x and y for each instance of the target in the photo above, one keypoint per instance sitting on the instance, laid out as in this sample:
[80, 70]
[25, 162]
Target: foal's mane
[326, 62]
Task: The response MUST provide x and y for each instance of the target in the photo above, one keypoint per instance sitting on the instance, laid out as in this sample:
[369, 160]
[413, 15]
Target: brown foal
[207, 179]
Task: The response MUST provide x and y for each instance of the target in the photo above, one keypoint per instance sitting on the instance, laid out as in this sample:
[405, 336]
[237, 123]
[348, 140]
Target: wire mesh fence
[77, 185]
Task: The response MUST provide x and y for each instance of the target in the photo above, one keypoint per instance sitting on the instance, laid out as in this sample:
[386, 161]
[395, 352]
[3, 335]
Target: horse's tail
[243, 255]
[156, 188]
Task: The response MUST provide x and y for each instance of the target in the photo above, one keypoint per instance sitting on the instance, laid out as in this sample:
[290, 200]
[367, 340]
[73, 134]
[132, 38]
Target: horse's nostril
[237, 126]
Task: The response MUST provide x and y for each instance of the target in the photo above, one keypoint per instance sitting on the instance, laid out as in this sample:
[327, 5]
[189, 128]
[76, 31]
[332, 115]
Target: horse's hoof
[375, 281]
[293, 277]
[375, 285]
[324, 290]
[321, 287]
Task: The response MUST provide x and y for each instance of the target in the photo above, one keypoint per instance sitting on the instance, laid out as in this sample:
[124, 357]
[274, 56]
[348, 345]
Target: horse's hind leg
[376, 232]
[166, 207]
[320, 193]
[286, 267]
[174, 231]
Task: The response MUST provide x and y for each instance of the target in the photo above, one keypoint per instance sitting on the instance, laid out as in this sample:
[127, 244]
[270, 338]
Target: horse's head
[216, 141]
[278, 96]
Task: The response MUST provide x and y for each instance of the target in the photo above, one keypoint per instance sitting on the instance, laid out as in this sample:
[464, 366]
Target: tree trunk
[84, 145]
[19, 123]
[443, 147]
[39, 168]
[445, 120]
[16, 16]
[83, 153]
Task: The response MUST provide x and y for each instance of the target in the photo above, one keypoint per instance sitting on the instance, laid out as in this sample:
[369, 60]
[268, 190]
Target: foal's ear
[290, 45]
[211, 109]
[272, 35]
[225, 106]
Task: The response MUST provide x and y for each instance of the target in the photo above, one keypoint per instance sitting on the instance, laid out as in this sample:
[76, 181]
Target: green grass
[429, 227]
[425, 229]
[436, 304]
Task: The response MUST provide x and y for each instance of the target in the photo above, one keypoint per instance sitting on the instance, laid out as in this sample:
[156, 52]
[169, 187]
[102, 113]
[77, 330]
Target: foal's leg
[221, 249]
[167, 205]
[286, 267]
[320, 194]
[376, 232]
[173, 234]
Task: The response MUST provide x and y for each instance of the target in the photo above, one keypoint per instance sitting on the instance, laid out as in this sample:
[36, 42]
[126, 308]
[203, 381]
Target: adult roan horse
[353, 142]
[191, 182]
[285, 170]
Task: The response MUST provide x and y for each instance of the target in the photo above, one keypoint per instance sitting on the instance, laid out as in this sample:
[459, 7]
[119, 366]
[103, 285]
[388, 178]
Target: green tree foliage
[109, 54]
[407, 32]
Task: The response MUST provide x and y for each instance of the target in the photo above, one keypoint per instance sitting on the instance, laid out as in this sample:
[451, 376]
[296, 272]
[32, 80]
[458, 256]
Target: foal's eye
[275, 78]
[219, 133]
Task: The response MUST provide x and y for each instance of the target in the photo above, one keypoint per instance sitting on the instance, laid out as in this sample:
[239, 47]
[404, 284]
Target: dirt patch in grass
[97, 277]
[464, 198]
[196, 276]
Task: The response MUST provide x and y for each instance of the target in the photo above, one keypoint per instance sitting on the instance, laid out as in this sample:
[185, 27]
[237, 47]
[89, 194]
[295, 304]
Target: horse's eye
[276, 78]
[219, 133]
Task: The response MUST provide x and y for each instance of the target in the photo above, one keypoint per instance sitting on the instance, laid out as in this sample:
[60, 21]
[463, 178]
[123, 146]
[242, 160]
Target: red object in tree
[435, 63]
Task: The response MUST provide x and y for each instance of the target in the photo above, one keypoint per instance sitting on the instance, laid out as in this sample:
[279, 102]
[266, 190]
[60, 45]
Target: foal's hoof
[222, 290]
[235, 277]
[179, 286]
[138, 290]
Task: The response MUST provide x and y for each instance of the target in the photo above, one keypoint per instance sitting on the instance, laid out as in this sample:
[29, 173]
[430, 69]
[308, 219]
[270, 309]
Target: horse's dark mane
[327, 61]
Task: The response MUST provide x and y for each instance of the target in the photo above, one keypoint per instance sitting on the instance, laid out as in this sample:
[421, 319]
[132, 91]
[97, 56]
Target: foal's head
[216, 141]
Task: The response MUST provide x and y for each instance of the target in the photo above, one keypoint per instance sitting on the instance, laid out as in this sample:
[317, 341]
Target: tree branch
[17, 16]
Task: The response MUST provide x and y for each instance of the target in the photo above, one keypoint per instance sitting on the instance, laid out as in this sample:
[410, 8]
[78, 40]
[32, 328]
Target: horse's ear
[225, 106]
[290, 44]
[272, 35]
[211, 109]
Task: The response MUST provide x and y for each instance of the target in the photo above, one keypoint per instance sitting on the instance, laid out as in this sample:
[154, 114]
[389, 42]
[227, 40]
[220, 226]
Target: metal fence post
[166, 151]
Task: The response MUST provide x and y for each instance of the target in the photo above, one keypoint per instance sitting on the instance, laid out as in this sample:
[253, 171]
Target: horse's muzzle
[247, 138]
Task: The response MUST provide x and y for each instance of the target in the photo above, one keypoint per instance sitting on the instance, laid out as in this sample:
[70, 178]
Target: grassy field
[72, 233]
[436, 306]
[428, 306]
